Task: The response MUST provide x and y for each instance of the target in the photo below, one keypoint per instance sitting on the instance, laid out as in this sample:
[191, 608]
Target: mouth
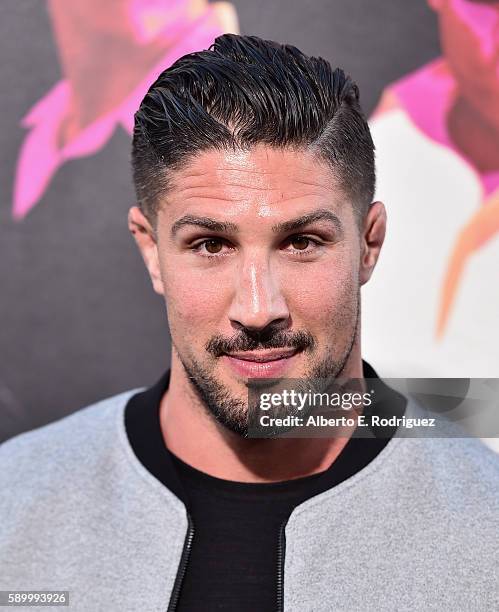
[261, 364]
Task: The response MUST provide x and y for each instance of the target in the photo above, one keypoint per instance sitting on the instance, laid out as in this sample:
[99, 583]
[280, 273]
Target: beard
[233, 412]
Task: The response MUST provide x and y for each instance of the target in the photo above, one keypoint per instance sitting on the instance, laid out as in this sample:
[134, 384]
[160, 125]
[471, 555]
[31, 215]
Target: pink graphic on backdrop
[455, 101]
[110, 54]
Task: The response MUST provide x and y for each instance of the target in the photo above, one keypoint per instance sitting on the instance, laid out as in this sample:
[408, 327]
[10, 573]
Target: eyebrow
[205, 222]
[286, 226]
[317, 215]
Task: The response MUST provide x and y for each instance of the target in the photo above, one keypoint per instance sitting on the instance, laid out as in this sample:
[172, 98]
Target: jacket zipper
[281, 549]
[182, 566]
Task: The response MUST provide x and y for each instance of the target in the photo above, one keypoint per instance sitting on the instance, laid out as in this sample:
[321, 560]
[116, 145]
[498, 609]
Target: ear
[372, 238]
[146, 240]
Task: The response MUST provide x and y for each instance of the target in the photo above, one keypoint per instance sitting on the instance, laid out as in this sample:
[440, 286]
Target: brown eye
[300, 243]
[213, 246]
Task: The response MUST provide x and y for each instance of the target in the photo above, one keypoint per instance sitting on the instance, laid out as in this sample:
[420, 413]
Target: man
[436, 132]
[254, 172]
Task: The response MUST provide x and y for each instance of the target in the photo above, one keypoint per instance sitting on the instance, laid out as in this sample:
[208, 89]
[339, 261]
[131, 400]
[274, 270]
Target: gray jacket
[417, 529]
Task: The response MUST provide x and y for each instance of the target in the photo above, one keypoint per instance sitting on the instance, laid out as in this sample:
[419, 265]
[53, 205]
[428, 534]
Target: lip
[261, 364]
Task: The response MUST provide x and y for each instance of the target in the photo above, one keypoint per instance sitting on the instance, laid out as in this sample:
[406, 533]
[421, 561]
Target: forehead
[263, 180]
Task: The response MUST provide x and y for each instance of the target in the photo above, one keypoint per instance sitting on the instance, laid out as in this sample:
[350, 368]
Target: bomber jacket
[415, 529]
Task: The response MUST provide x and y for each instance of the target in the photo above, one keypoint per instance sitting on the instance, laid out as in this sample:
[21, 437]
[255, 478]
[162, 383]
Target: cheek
[320, 296]
[196, 300]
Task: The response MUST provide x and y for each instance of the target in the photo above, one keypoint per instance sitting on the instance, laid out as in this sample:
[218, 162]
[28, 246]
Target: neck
[474, 135]
[194, 436]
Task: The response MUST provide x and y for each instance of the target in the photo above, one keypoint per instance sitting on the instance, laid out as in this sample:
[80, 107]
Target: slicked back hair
[245, 91]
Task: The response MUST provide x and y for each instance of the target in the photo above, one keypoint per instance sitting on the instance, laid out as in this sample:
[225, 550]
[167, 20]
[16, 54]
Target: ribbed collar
[143, 429]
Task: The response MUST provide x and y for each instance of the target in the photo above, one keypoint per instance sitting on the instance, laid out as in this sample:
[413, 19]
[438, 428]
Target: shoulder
[452, 473]
[454, 500]
[40, 456]
[467, 466]
[431, 79]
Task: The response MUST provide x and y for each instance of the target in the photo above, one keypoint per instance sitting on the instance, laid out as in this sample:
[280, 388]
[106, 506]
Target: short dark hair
[245, 91]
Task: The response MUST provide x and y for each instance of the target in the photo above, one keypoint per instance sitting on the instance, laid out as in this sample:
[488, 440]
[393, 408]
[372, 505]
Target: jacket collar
[142, 426]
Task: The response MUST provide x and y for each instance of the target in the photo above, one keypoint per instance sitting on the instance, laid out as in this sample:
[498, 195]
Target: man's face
[469, 32]
[259, 262]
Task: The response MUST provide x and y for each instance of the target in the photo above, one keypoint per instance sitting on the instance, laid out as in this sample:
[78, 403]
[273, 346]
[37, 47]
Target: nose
[258, 299]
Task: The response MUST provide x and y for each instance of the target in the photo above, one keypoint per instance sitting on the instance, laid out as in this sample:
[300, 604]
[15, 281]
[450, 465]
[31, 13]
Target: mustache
[253, 341]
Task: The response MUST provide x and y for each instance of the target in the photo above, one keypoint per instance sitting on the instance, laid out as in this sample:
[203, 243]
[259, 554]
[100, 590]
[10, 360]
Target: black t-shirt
[233, 562]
